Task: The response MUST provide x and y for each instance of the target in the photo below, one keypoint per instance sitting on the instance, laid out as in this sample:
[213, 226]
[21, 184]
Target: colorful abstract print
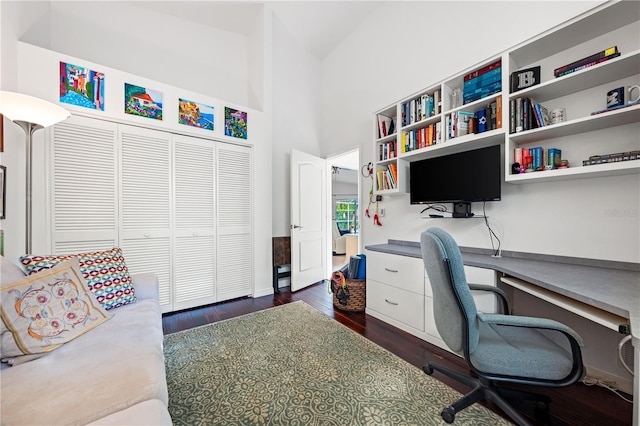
[81, 86]
[106, 274]
[142, 102]
[235, 123]
[194, 114]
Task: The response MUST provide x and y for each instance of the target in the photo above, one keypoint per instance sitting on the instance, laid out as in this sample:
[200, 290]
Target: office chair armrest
[498, 292]
[531, 322]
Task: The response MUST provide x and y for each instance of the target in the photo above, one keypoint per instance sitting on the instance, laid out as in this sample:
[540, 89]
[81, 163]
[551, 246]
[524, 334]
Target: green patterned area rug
[293, 365]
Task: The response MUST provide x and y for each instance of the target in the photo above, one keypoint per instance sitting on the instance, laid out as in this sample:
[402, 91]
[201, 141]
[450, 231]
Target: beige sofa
[111, 375]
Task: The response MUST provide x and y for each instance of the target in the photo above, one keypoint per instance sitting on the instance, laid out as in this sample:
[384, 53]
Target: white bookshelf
[580, 93]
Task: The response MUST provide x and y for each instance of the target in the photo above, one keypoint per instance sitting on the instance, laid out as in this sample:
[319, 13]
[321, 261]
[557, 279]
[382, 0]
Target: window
[347, 215]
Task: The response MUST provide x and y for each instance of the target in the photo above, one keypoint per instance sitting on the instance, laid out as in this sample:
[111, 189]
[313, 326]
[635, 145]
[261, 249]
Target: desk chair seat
[499, 348]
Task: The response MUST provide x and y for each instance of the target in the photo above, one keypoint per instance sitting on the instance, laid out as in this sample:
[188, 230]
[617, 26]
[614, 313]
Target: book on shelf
[482, 80]
[526, 114]
[481, 117]
[606, 53]
[386, 179]
[394, 171]
[460, 122]
[630, 104]
[482, 92]
[483, 70]
[386, 126]
[523, 79]
[498, 112]
[587, 65]
[538, 158]
[388, 150]
[554, 158]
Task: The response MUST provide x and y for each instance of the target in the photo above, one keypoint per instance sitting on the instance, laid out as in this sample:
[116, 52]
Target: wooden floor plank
[577, 405]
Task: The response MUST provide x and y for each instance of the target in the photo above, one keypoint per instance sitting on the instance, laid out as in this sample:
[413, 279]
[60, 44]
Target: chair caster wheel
[542, 406]
[448, 414]
[428, 369]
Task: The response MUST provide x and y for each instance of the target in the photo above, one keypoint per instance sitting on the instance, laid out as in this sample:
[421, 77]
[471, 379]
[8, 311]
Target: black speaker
[462, 210]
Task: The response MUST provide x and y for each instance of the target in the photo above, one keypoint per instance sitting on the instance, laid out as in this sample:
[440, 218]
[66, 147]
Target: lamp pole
[28, 128]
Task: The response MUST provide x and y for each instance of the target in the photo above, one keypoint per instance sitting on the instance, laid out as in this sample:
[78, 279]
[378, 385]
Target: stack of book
[387, 177]
[587, 62]
[386, 126]
[490, 118]
[387, 151]
[421, 138]
[527, 114]
[482, 82]
[538, 158]
[421, 108]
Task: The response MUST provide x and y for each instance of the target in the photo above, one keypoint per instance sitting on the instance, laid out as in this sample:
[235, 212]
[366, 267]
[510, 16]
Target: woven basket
[353, 297]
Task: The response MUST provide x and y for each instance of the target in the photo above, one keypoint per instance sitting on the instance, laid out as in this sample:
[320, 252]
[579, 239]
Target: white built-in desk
[605, 292]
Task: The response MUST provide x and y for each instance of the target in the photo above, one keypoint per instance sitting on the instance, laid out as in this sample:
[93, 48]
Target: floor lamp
[30, 114]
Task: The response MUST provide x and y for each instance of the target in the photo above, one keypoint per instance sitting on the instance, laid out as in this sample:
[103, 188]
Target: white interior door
[308, 219]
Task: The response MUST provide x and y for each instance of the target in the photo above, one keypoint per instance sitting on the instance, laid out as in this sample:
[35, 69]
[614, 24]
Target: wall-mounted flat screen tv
[463, 177]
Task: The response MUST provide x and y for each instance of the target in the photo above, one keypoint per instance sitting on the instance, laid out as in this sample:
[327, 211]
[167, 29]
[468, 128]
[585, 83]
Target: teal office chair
[499, 348]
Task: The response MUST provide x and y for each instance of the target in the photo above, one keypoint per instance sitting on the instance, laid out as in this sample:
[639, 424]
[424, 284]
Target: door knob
[296, 227]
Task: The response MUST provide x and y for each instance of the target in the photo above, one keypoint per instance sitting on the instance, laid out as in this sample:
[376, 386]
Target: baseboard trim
[623, 384]
[263, 292]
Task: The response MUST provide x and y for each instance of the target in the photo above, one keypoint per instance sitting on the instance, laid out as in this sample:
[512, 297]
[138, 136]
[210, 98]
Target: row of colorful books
[386, 126]
[388, 150]
[538, 158]
[482, 83]
[421, 138]
[421, 108]
[461, 123]
[527, 114]
[387, 178]
[589, 61]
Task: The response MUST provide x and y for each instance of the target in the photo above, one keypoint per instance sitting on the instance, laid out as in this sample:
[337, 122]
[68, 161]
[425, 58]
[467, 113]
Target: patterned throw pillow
[106, 274]
[44, 311]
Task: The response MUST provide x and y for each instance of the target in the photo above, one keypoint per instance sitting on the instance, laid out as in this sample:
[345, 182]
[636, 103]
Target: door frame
[347, 159]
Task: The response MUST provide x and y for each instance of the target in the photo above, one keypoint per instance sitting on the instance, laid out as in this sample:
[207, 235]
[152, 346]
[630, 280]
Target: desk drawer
[404, 272]
[396, 303]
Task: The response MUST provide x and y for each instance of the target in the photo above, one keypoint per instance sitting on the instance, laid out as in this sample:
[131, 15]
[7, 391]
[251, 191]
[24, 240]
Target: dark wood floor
[575, 405]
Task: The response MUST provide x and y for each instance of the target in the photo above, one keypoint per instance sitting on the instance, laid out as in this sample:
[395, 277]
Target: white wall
[96, 33]
[393, 54]
[296, 116]
[171, 50]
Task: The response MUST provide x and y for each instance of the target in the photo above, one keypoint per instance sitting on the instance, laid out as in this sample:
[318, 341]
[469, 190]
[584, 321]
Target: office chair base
[483, 389]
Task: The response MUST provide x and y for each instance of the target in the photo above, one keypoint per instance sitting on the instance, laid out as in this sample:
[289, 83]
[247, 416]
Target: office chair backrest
[453, 304]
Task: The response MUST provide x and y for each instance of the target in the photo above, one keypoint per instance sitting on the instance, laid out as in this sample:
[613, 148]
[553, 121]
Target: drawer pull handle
[390, 270]
[391, 303]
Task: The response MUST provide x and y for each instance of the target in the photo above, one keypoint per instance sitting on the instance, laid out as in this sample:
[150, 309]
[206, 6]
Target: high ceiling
[318, 25]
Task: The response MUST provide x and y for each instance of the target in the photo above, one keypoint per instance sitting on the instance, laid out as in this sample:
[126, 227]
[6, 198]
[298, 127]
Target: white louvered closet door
[83, 186]
[145, 207]
[195, 239]
[234, 225]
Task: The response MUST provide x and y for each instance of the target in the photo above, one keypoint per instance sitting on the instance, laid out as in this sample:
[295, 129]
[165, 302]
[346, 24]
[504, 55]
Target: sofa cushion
[105, 271]
[9, 271]
[45, 310]
[110, 369]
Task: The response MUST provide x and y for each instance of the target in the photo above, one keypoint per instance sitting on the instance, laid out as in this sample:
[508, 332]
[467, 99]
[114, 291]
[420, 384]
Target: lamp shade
[19, 107]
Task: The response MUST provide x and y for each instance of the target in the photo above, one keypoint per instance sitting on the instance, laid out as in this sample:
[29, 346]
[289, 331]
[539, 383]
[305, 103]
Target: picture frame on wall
[235, 123]
[195, 114]
[81, 86]
[3, 191]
